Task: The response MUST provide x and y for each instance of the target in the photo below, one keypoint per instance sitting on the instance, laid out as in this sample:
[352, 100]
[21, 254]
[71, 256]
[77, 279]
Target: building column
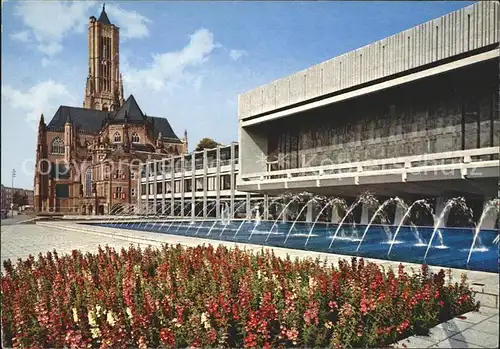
[248, 207]
[399, 214]
[266, 207]
[155, 186]
[163, 186]
[232, 180]
[172, 186]
[182, 186]
[284, 214]
[147, 188]
[365, 214]
[491, 217]
[310, 212]
[441, 202]
[336, 218]
[217, 186]
[139, 193]
[193, 186]
[205, 183]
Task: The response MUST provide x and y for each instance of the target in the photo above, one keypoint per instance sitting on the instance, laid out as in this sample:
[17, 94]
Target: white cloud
[237, 54]
[171, 68]
[22, 36]
[131, 23]
[44, 97]
[49, 22]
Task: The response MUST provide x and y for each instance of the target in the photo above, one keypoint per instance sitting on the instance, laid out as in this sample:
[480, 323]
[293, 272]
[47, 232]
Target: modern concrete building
[413, 115]
[196, 185]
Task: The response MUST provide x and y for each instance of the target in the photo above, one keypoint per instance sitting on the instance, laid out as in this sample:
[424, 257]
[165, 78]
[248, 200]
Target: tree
[206, 143]
[19, 199]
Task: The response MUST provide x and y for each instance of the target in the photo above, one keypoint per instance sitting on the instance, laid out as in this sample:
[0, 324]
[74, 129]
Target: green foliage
[206, 143]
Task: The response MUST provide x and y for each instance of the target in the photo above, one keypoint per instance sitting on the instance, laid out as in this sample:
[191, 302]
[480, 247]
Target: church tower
[104, 88]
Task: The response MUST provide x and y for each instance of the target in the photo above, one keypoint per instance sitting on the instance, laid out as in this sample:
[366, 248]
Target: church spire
[103, 85]
[103, 18]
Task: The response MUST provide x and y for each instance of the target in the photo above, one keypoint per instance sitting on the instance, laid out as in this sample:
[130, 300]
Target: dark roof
[130, 110]
[103, 18]
[162, 125]
[85, 119]
[91, 120]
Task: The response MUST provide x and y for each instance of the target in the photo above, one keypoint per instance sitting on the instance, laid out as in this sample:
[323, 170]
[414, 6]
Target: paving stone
[477, 338]
[474, 317]
[439, 333]
[453, 343]
[455, 325]
[414, 342]
[487, 327]
[494, 318]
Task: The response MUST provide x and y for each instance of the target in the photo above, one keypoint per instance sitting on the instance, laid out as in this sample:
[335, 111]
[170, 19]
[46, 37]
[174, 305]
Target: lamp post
[12, 192]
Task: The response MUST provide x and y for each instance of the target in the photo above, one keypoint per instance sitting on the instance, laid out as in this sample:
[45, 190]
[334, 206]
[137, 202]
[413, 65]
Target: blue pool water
[453, 253]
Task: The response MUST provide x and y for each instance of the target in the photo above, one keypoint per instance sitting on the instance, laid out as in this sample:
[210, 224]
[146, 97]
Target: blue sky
[186, 61]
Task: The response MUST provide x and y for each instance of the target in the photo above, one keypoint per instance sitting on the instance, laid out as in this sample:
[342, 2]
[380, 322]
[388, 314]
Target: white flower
[92, 318]
[129, 313]
[75, 315]
[110, 319]
[204, 320]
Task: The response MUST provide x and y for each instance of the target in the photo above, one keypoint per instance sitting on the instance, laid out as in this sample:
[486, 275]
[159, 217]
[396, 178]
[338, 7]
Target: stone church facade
[87, 159]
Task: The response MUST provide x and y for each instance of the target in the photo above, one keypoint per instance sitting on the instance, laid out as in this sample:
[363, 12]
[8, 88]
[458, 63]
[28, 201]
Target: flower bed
[203, 296]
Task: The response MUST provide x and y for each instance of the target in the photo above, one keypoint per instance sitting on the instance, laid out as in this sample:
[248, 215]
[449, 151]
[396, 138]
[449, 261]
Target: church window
[57, 146]
[88, 182]
[117, 137]
[135, 138]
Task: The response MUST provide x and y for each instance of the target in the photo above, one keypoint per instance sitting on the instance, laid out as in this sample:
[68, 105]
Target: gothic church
[87, 158]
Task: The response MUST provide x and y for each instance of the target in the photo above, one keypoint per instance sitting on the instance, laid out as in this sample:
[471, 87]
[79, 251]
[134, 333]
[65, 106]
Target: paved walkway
[473, 330]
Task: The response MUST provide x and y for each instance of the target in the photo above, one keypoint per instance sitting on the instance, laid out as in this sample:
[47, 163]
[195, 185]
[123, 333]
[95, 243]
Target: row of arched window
[117, 138]
[58, 144]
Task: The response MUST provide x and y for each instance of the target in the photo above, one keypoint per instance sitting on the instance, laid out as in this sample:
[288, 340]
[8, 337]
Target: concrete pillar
[266, 207]
[438, 211]
[310, 212]
[398, 215]
[284, 208]
[155, 185]
[248, 207]
[139, 193]
[147, 187]
[232, 180]
[217, 186]
[336, 218]
[205, 183]
[193, 186]
[491, 217]
[365, 214]
[163, 186]
[182, 185]
[172, 186]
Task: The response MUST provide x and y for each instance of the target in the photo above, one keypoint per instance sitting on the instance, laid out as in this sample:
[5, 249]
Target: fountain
[375, 215]
[293, 199]
[449, 204]
[295, 221]
[205, 218]
[490, 205]
[422, 202]
[454, 254]
[229, 218]
[335, 203]
[365, 198]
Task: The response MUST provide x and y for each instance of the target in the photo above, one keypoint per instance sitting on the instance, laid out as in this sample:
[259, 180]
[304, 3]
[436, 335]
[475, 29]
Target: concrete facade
[412, 115]
[195, 186]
